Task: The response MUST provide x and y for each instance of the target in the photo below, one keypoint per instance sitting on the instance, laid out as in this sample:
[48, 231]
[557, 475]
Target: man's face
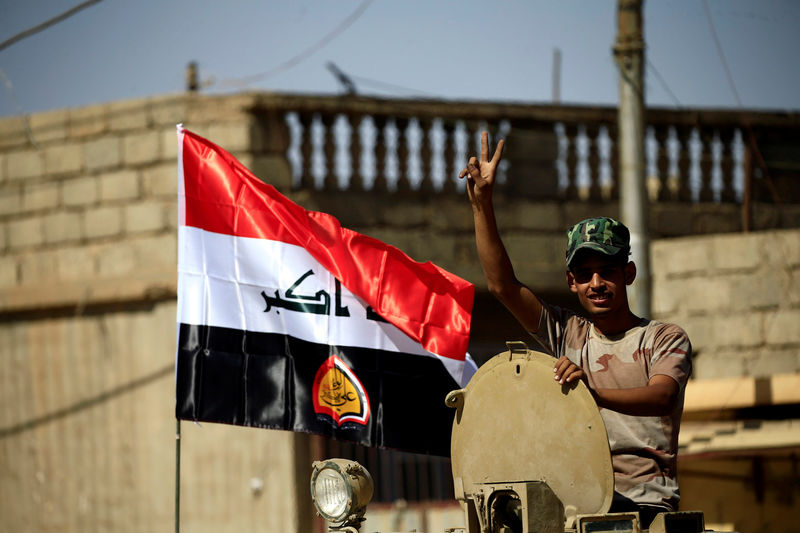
[600, 283]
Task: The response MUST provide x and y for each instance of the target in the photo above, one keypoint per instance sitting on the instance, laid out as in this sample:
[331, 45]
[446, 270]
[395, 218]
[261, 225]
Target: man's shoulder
[665, 331]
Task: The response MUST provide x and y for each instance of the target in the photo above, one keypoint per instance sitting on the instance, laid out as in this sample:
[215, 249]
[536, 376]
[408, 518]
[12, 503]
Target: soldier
[635, 368]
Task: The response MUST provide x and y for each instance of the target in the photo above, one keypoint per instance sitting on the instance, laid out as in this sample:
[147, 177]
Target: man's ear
[571, 281]
[630, 272]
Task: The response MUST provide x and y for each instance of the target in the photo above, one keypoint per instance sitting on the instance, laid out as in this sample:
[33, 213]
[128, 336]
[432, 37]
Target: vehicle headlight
[341, 490]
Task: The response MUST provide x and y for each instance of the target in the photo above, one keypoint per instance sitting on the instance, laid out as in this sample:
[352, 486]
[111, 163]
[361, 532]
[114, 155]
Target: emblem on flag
[339, 394]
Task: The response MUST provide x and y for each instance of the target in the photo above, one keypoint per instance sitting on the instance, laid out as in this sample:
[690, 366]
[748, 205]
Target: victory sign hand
[481, 174]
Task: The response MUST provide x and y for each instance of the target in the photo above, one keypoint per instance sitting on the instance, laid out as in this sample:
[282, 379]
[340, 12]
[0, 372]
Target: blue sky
[467, 49]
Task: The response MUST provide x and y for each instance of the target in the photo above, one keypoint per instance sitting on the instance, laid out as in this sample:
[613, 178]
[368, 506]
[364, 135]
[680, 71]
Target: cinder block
[11, 200]
[517, 214]
[38, 267]
[232, 136]
[128, 115]
[668, 296]
[40, 196]
[8, 271]
[719, 365]
[12, 132]
[781, 327]
[85, 121]
[63, 159]
[172, 215]
[735, 252]
[25, 232]
[119, 185]
[169, 144]
[79, 191]
[781, 249]
[102, 222]
[767, 288]
[771, 360]
[156, 251]
[680, 257]
[672, 219]
[700, 329]
[78, 263]
[141, 148]
[169, 111]
[49, 126]
[144, 216]
[532, 252]
[102, 153]
[24, 164]
[117, 259]
[744, 330]
[160, 181]
[405, 214]
[62, 227]
[450, 215]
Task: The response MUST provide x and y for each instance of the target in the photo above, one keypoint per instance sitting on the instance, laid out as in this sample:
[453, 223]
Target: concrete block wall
[88, 245]
[738, 297]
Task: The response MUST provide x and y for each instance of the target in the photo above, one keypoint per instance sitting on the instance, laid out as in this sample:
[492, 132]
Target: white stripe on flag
[222, 279]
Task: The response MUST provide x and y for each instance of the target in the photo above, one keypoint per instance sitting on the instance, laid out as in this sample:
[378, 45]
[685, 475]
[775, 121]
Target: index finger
[484, 146]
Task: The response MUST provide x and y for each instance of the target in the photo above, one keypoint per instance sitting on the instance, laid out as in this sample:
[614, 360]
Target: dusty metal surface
[514, 423]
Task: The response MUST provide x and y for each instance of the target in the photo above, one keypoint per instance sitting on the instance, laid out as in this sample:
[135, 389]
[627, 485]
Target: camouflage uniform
[643, 448]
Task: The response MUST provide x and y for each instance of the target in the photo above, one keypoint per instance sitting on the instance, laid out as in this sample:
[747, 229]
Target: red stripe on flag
[429, 304]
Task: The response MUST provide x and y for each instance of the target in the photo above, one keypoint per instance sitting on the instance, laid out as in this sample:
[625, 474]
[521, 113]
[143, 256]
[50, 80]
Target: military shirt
[643, 448]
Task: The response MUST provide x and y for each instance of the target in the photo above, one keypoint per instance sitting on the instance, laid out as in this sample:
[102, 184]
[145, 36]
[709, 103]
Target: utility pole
[629, 57]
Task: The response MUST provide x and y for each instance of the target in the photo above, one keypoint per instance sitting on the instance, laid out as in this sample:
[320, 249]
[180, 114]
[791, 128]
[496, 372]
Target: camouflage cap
[601, 234]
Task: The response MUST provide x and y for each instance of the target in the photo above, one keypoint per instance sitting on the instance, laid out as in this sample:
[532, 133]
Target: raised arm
[497, 268]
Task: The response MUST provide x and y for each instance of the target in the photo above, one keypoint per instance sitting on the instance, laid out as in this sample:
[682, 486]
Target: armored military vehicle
[528, 456]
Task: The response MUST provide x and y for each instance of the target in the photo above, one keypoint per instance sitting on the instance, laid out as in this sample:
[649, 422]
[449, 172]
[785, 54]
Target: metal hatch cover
[515, 423]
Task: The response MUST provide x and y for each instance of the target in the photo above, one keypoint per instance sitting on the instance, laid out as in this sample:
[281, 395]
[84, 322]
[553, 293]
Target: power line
[46, 24]
[663, 83]
[721, 54]
[302, 56]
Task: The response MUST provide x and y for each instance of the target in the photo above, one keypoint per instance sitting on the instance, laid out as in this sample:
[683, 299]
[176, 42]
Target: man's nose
[596, 280]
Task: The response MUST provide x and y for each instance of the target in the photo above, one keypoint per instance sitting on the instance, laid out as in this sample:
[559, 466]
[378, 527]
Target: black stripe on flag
[266, 380]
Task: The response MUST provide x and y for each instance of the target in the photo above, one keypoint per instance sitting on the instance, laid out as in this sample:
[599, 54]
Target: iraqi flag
[287, 320]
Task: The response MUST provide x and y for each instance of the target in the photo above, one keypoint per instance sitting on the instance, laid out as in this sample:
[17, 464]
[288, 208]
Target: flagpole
[178, 475]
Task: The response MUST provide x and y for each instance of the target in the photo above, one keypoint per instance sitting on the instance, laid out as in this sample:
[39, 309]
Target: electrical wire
[663, 83]
[46, 24]
[721, 54]
[302, 56]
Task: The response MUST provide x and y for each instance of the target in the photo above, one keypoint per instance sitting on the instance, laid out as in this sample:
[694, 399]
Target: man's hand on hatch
[566, 371]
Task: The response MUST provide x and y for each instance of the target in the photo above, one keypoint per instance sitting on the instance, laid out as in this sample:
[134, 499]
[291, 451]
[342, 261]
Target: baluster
[356, 169]
[306, 150]
[593, 160]
[662, 162]
[403, 183]
[329, 149]
[726, 165]
[380, 184]
[706, 165]
[684, 162]
[425, 155]
[571, 131]
[451, 168]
